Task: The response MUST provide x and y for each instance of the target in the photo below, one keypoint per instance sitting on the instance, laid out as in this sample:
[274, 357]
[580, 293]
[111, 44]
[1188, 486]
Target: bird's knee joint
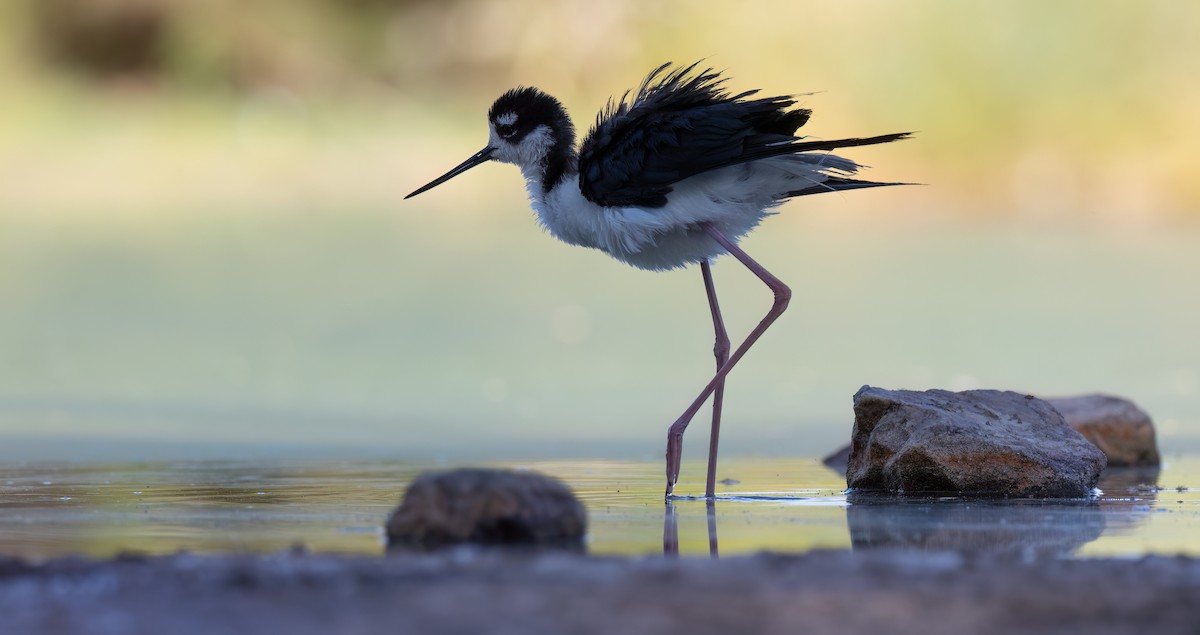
[783, 295]
[722, 347]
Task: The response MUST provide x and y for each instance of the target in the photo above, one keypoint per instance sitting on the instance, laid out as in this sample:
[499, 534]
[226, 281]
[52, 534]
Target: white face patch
[507, 119]
[529, 153]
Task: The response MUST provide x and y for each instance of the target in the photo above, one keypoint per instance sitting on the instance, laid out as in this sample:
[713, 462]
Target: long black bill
[480, 157]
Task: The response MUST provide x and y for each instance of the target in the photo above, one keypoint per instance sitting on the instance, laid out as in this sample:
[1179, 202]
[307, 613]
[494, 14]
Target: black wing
[679, 125]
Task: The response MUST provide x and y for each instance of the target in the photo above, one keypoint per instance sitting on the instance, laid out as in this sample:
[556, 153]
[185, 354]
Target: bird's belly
[677, 248]
[652, 238]
[641, 239]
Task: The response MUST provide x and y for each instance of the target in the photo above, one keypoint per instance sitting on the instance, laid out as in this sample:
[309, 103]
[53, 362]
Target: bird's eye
[506, 130]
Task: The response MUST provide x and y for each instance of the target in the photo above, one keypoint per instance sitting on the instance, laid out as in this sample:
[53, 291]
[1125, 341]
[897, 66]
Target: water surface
[791, 505]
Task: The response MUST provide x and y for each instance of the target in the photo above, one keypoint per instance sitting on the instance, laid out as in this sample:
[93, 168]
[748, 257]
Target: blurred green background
[204, 249]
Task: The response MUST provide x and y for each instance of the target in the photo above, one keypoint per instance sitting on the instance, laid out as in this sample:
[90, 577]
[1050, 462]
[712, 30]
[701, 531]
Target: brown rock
[1117, 426]
[487, 507]
[978, 441]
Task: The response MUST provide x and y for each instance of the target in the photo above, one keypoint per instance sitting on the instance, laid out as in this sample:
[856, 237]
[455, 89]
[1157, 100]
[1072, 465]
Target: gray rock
[1117, 426]
[487, 507]
[978, 441]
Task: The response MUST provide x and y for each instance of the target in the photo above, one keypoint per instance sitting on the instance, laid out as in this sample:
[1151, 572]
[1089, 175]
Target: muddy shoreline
[472, 591]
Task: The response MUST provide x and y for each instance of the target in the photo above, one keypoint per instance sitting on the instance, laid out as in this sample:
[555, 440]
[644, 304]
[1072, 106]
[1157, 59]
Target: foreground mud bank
[471, 591]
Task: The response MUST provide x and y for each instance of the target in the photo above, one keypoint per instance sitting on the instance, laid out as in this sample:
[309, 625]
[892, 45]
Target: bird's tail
[837, 184]
[833, 182]
[810, 146]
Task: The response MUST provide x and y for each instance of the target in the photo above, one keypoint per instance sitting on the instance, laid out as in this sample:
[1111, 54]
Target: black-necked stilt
[673, 175]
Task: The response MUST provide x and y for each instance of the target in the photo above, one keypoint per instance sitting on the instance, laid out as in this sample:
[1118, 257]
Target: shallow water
[775, 504]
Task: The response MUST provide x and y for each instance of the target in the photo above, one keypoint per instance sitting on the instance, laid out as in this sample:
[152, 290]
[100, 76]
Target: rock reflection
[1024, 527]
[1123, 481]
[1130, 493]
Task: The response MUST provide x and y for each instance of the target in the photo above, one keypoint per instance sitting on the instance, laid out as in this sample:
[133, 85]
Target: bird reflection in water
[671, 529]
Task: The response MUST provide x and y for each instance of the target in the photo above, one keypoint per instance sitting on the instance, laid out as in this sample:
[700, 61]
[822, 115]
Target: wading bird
[672, 175]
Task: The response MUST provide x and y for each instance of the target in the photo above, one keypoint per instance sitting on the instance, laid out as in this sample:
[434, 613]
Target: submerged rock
[1117, 426]
[487, 507]
[838, 460]
[979, 441]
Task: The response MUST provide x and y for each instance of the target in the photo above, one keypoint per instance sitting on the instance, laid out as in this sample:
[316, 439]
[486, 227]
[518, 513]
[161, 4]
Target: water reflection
[1130, 495]
[1129, 480]
[671, 529]
[1036, 528]
[711, 515]
[1025, 527]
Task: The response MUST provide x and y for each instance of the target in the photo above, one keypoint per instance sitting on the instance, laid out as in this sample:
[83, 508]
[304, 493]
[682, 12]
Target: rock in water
[1117, 426]
[838, 459]
[487, 507]
[979, 441]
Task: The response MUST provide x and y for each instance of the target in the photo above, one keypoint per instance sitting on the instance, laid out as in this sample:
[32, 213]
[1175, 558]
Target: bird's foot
[674, 455]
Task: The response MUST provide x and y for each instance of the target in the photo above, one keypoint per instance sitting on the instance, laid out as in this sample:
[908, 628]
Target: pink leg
[782, 296]
[721, 352]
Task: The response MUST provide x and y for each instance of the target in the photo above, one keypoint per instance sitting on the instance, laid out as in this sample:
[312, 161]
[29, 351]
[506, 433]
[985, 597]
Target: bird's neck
[559, 165]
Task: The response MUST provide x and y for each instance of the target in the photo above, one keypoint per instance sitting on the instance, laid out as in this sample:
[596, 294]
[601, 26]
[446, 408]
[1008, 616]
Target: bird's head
[526, 127]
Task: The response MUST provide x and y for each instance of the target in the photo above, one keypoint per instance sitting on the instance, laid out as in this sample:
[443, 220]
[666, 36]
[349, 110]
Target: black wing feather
[680, 124]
